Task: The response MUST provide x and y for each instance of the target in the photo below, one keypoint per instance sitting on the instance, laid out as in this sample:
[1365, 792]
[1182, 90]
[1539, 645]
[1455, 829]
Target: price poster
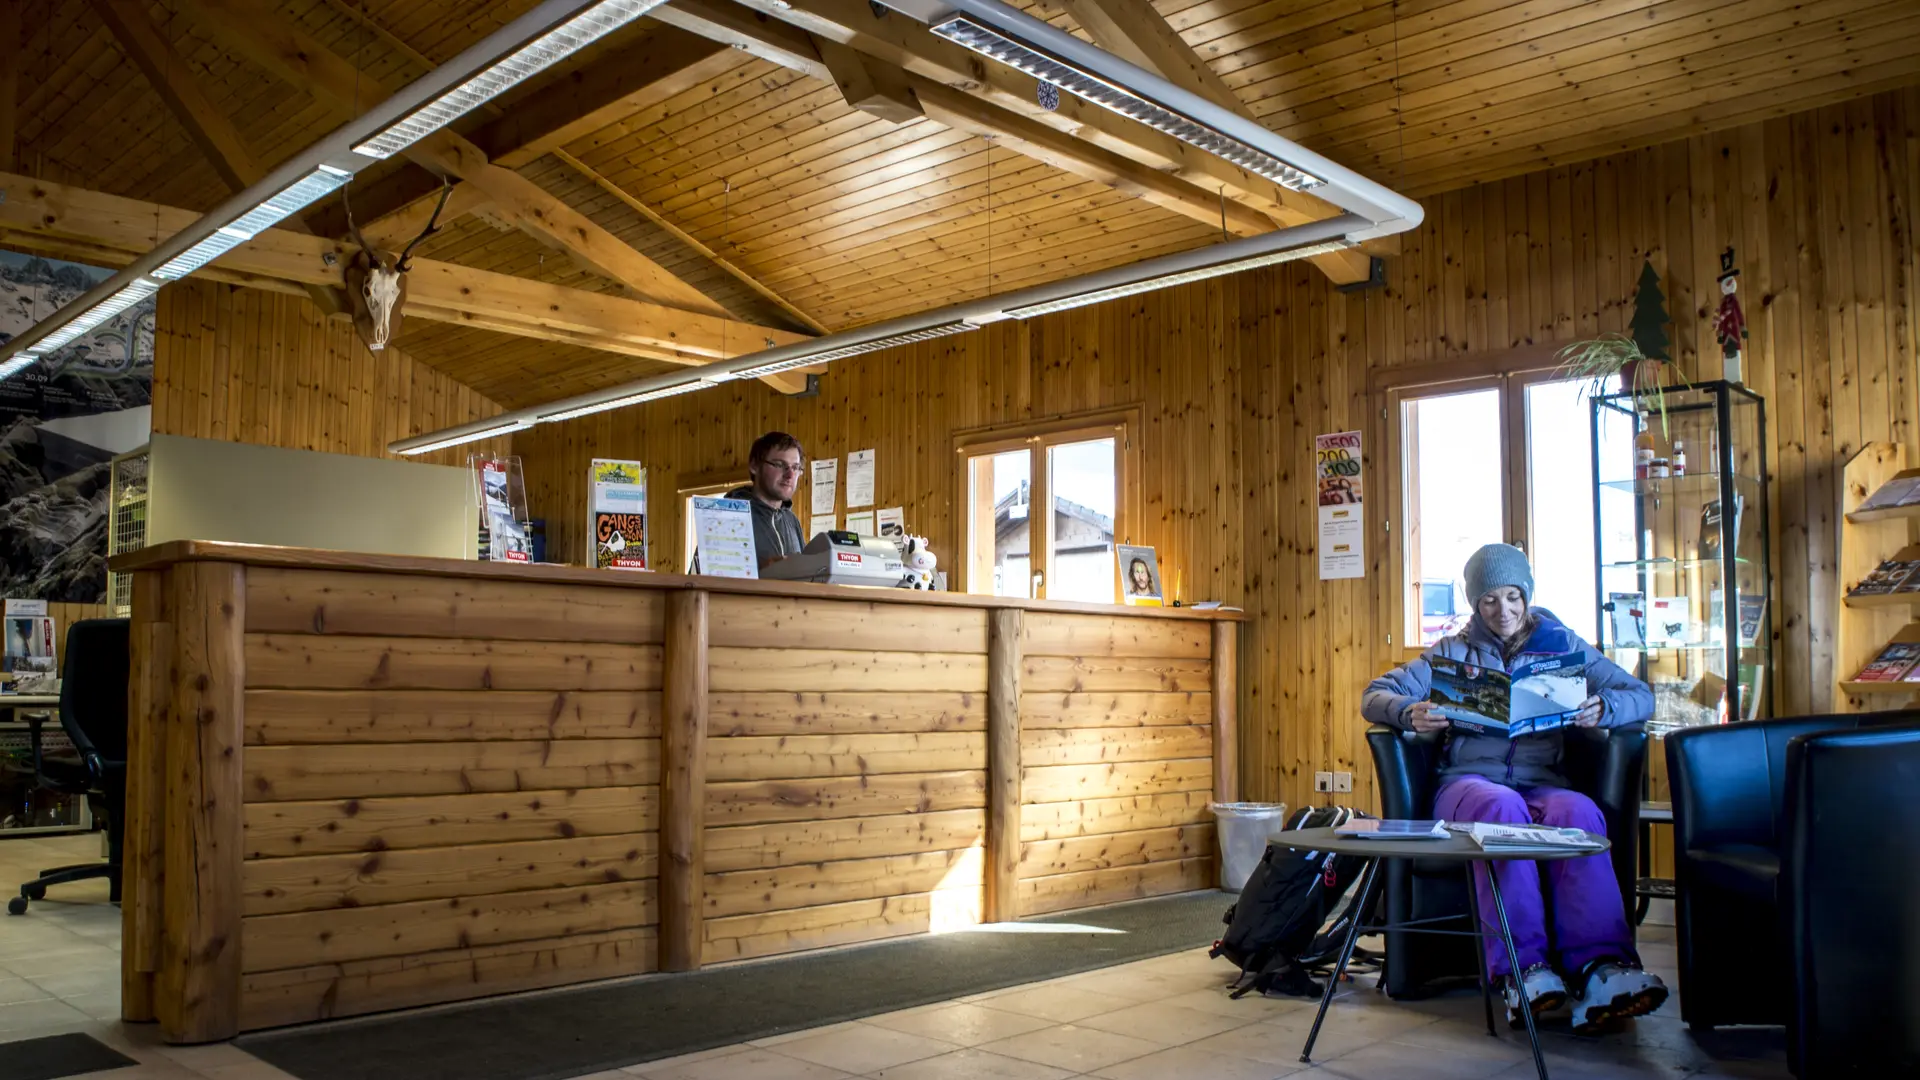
[618, 525]
[1336, 470]
[723, 531]
[824, 495]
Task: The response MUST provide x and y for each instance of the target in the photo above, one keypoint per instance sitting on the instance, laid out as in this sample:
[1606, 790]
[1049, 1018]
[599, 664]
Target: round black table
[1457, 847]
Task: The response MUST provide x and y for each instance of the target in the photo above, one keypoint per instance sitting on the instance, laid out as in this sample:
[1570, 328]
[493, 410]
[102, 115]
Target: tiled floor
[1168, 1017]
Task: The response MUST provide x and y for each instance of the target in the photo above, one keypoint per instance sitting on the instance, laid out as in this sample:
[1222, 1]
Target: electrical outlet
[1343, 781]
[1323, 781]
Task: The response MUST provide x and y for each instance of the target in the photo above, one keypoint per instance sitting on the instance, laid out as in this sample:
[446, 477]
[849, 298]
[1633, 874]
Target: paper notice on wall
[824, 523]
[825, 487]
[892, 521]
[861, 522]
[1343, 549]
[859, 478]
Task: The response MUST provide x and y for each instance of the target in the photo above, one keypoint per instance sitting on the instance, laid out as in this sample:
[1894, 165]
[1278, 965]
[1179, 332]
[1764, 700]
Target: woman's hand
[1425, 718]
[1590, 712]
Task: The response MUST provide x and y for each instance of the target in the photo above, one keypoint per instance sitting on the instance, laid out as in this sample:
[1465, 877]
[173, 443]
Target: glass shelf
[1702, 647]
[1674, 564]
[1690, 484]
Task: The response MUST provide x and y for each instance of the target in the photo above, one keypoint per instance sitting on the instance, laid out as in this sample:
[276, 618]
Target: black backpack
[1279, 932]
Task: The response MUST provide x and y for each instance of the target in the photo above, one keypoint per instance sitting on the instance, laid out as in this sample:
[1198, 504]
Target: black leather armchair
[1606, 764]
[1798, 864]
[93, 713]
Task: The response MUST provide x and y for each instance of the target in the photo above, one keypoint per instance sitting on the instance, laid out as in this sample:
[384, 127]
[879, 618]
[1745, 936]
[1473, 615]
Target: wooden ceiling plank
[254, 27]
[1135, 32]
[692, 243]
[879, 90]
[40, 209]
[13, 57]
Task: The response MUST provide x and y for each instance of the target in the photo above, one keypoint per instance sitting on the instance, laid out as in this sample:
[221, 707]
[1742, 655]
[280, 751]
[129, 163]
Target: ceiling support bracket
[1376, 277]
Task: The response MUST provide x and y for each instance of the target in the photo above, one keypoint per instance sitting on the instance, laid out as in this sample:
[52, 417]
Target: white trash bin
[1243, 828]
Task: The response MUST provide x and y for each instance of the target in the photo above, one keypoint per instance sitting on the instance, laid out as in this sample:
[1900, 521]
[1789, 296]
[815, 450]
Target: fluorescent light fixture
[130, 294]
[904, 338]
[990, 43]
[623, 402]
[310, 189]
[15, 366]
[1165, 281]
[471, 436]
[542, 52]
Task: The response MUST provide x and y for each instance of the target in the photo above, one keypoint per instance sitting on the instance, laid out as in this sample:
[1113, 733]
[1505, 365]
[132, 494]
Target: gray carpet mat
[58, 1055]
[595, 1028]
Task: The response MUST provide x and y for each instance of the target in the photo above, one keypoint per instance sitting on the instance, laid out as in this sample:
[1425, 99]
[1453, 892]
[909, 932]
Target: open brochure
[1538, 696]
[1493, 837]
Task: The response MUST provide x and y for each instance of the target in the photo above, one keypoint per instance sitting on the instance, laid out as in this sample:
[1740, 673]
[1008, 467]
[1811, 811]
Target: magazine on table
[1537, 697]
[1492, 837]
[1393, 829]
[1895, 661]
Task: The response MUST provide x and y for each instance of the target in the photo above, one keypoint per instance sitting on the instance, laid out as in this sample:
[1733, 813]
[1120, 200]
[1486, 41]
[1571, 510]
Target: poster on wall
[1336, 468]
[892, 521]
[859, 478]
[62, 420]
[617, 513]
[824, 491]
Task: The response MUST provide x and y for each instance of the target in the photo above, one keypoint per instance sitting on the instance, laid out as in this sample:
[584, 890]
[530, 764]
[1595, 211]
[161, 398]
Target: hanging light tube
[330, 163]
[469, 436]
[623, 401]
[543, 52]
[988, 42]
[1167, 281]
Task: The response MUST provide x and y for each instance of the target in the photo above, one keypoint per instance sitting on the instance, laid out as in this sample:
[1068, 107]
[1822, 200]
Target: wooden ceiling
[745, 173]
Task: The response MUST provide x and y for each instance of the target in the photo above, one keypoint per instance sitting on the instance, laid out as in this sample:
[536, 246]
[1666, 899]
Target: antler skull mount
[377, 281]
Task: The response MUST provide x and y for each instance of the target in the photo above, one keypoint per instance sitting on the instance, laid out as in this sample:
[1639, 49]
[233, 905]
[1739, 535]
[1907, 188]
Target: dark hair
[772, 443]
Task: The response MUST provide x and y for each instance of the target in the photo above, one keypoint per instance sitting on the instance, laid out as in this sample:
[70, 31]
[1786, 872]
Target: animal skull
[379, 291]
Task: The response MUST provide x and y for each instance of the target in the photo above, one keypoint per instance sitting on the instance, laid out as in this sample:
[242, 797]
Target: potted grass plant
[1638, 360]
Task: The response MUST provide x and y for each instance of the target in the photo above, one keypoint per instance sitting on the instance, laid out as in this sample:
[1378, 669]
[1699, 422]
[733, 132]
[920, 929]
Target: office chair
[93, 713]
[1606, 764]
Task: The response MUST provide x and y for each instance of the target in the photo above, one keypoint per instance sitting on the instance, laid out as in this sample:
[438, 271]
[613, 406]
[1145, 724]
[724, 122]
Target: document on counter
[861, 523]
[860, 478]
[723, 531]
[825, 487]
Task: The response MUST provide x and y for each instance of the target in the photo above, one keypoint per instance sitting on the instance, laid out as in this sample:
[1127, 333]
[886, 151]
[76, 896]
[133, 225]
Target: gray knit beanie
[1496, 565]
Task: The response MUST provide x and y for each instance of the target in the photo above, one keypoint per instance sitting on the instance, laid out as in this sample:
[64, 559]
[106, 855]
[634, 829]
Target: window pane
[1454, 503]
[1082, 484]
[1560, 491]
[999, 540]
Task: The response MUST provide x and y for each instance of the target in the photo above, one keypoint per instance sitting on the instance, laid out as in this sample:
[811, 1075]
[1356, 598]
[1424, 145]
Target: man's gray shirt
[776, 529]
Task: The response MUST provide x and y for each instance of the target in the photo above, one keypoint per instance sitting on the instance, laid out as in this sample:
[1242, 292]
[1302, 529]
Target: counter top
[176, 552]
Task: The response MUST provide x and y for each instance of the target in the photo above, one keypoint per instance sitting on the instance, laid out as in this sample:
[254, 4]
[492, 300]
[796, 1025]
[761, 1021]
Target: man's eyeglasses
[792, 470]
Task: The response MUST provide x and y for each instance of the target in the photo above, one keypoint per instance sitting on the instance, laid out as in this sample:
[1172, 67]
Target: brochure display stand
[1877, 630]
[1680, 527]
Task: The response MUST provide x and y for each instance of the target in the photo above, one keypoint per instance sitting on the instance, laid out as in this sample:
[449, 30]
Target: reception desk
[361, 782]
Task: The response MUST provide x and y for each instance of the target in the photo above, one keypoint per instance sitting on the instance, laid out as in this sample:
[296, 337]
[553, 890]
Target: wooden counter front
[360, 783]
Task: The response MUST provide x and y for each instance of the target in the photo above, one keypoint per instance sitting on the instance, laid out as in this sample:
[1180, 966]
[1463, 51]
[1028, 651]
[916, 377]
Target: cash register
[845, 558]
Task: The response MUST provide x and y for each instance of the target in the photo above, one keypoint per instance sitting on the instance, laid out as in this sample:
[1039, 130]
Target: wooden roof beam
[255, 29]
[793, 48]
[1137, 33]
[38, 215]
[167, 73]
[874, 88]
[13, 56]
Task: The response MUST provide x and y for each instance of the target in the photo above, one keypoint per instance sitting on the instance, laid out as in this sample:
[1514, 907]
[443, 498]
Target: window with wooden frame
[1490, 449]
[1077, 470]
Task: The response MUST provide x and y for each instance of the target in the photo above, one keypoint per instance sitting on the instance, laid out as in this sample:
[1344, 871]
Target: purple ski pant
[1589, 917]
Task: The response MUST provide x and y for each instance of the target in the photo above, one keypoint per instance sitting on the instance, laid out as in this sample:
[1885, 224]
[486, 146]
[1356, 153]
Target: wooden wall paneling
[683, 782]
[285, 829]
[1007, 636]
[197, 991]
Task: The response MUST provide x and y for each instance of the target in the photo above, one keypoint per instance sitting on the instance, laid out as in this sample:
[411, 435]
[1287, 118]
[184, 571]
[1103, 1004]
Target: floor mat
[574, 1032]
[58, 1055]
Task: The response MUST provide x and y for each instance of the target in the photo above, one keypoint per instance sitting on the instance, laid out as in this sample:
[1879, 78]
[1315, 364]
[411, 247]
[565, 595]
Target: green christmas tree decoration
[1650, 315]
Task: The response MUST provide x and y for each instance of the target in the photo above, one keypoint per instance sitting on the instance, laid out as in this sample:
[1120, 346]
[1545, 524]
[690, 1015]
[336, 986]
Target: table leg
[1513, 962]
[1479, 950]
[1368, 879]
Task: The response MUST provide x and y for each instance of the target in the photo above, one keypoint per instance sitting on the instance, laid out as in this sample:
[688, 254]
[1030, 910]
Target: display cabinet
[1682, 574]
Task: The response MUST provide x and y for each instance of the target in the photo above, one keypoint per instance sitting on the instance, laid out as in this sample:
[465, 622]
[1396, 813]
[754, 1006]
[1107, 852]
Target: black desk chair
[1605, 764]
[93, 713]
[1798, 860]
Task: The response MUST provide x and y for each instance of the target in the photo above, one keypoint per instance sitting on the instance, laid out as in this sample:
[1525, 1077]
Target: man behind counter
[773, 469]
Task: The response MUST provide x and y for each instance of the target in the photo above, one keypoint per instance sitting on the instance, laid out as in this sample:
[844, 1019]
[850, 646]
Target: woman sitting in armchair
[1517, 781]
